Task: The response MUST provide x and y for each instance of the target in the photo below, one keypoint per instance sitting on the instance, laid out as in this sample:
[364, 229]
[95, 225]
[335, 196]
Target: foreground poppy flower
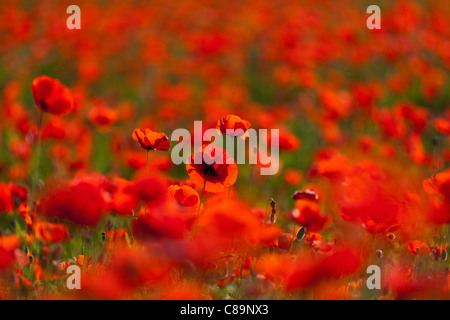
[150, 140]
[123, 202]
[151, 189]
[235, 123]
[162, 223]
[81, 202]
[440, 183]
[8, 245]
[52, 96]
[214, 177]
[6, 200]
[442, 125]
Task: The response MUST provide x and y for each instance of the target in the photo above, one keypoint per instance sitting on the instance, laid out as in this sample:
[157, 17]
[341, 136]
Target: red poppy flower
[417, 247]
[81, 202]
[123, 202]
[150, 140]
[151, 189]
[103, 116]
[18, 192]
[440, 183]
[184, 196]
[232, 122]
[55, 128]
[51, 232]
[6, 200]
[442, 125]
[52, 96]
[215, 166]
[8, 245]
[162, 223]
[307, 214]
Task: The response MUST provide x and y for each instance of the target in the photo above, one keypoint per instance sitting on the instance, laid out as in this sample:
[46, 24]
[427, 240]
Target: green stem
[148, 151]
[35, 174]
[201, 195]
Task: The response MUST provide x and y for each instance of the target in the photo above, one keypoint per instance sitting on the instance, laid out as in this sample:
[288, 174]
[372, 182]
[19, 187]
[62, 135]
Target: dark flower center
[208, 171]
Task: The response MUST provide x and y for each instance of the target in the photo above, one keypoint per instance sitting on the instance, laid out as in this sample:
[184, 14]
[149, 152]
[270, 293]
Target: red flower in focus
[52, 96]
[215, 166]
[150, 140]
[236, 124]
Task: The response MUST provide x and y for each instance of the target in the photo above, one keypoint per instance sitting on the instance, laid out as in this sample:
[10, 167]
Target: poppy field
[358, 207]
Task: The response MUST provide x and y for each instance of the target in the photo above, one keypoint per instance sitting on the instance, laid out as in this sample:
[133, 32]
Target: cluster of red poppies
[87, 178]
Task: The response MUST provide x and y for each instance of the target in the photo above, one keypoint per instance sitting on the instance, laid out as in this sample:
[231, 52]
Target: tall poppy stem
[145, 209]
[35, 174]
[251, 174]
[201, 195]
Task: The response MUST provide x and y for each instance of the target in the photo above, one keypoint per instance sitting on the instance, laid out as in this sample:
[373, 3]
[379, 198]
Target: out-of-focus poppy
[123, 202]
[307, 214]
[184, 196]
[8, 244]
[440, 183]
[442, 125]
[293, 177]
[215, 171]
[81, 202]
[51, 95]
[150, 140]
[6, 200]
[160, 223]
[51, 232]
[103, 116]
[151, 189]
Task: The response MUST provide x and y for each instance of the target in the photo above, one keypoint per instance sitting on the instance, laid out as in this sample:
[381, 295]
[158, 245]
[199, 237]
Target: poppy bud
[273, 218]
[273, 204]
[390, 236]
[301, 233]
[379, 253]
[308, 194]
[435, 253]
